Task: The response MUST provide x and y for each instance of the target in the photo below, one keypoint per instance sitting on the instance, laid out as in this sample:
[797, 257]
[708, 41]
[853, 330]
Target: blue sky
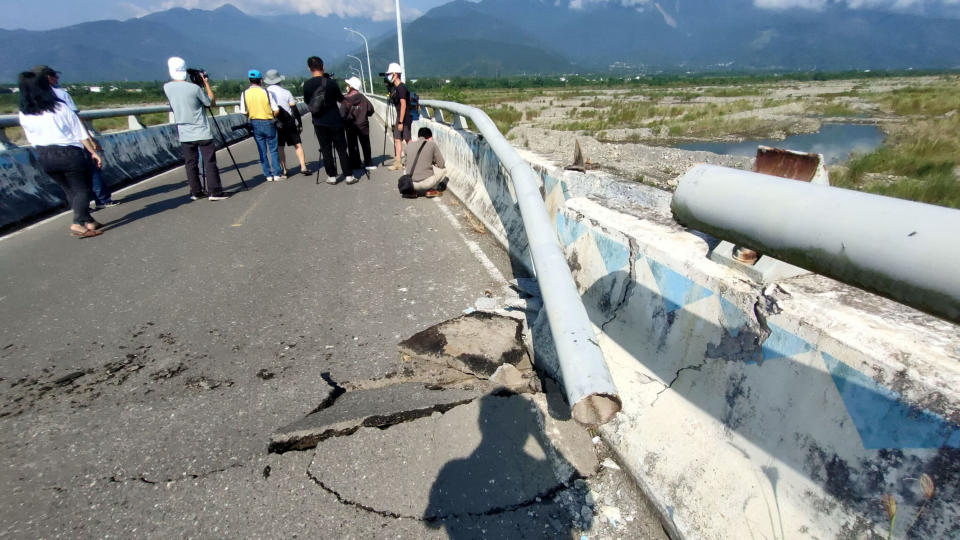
[46, 14]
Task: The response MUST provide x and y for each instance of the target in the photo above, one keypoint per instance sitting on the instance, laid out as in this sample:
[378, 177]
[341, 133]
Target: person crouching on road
[261, 109]
[357, 110]
[193, 128]
[403, 125]
[60, 137]
[426, 167]
[289, 122]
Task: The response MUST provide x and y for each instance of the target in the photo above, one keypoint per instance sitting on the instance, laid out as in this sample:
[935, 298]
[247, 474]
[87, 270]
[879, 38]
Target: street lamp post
[403, 66]
[367, 47]
[360, 63]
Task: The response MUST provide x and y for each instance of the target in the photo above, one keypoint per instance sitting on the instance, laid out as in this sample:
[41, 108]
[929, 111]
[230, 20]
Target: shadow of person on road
[508, 486]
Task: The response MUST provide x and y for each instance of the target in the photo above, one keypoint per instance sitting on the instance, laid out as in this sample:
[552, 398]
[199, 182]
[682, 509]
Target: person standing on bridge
[400, 97]
[188, 102]
[261, 109]
[102, 195]
[323, 97]
[60, 138]
[289, 123]
[357, 110]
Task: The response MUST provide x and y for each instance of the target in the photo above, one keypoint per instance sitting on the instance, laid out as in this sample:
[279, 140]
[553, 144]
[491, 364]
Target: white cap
[354, 83]
[394, 68]
[178, 68]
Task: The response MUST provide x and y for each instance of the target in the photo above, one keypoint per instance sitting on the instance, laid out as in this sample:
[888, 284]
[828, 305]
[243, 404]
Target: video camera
[386, 82]
[197, 76]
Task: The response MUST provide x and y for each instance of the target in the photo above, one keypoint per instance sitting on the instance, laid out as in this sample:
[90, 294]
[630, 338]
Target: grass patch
[925, 153]
[837, 109]
[504, 116]
[932, 100]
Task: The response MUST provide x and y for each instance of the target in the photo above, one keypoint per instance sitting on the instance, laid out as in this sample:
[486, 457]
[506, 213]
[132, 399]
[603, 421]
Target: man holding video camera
[188, 101]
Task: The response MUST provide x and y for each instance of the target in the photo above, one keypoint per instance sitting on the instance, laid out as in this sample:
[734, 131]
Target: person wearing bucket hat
[356, 110]
[400, 97]
[289, 122]
[261, 109]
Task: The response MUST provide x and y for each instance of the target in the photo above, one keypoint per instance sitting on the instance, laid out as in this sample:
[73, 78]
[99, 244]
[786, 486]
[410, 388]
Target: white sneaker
[372, 168]
[352, 179]
[279, 178]
[218, 197]
[331, 180]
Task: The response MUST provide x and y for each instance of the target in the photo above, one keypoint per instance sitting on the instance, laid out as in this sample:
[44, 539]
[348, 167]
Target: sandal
[93, 225]
[89, 233]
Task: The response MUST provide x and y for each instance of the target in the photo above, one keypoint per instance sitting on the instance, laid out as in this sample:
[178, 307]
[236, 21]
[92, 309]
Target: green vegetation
[925, 154]
[504, 116]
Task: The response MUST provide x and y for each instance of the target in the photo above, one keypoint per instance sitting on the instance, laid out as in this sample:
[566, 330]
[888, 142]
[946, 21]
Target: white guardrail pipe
[904, 250]
[586, 379]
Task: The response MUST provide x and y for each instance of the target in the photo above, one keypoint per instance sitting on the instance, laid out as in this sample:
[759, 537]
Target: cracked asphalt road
[143, 371]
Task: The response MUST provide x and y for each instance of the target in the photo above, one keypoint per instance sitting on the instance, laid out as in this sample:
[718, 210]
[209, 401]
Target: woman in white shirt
[60, 138]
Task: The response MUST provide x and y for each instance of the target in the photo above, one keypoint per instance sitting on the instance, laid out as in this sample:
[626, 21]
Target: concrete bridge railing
[586, 380]
[784, 410]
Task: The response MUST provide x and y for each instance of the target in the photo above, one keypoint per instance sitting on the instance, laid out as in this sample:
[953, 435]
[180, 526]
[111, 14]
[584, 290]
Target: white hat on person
[273, 76]
[354, 83]
[177, 67]
[394, 68]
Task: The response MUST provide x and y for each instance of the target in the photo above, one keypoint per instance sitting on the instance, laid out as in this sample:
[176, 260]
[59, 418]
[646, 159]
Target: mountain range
[500, 37]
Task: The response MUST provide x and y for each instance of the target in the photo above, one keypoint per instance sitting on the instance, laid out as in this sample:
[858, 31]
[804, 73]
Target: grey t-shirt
[188, 101]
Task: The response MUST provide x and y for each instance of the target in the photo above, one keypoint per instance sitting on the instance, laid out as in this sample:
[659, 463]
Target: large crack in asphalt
[547, 497]
[374, 421]
[188, 476]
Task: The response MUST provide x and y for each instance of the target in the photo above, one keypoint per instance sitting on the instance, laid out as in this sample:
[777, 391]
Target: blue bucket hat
[254, 74]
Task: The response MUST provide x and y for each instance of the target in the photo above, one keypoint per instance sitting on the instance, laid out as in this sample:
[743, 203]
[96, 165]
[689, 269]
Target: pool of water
[835, 141]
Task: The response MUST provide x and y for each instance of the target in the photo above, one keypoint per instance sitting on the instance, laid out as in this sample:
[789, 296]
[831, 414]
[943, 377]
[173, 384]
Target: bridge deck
[166, 321]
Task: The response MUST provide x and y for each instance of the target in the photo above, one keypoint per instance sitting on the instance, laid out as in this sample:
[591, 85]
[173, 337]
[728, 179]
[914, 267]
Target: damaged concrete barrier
[786, 410]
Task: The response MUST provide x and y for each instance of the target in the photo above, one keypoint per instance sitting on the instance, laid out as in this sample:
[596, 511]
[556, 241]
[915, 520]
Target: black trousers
[357, 139]
[209, 152]
[67, 165]
[330, 138]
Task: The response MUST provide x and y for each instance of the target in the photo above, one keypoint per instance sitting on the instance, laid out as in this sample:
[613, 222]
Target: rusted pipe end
[596, 409]
[746, 256]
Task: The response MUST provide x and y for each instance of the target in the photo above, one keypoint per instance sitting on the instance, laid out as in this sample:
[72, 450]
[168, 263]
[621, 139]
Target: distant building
[95, 89]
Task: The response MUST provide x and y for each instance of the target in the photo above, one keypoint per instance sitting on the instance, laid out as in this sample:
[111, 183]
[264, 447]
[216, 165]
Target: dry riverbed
[631, 131]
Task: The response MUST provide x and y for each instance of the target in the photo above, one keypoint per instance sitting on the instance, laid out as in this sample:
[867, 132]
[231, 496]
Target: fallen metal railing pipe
[904, 250]
[586, 378]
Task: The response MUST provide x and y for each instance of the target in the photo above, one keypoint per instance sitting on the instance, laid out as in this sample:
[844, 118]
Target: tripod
[386, 124]
[229, 153]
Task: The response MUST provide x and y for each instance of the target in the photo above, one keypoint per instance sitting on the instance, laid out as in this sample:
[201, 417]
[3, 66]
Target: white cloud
[377, 10]
[789, 4]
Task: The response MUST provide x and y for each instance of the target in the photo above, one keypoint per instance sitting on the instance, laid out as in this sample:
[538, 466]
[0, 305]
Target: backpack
[318, 101]
[414, 106]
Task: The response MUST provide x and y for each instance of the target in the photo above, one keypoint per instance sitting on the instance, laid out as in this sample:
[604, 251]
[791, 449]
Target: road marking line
[246, 214]
[474, 248]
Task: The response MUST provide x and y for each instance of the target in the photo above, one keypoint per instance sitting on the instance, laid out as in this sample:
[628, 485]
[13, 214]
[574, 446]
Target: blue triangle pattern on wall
[676, 289]
[783, 344]
[568, 230]
[616, 256]
[883, 420]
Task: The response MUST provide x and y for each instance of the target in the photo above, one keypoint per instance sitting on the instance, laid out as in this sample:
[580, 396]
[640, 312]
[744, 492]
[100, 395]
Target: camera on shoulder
[197, 75]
